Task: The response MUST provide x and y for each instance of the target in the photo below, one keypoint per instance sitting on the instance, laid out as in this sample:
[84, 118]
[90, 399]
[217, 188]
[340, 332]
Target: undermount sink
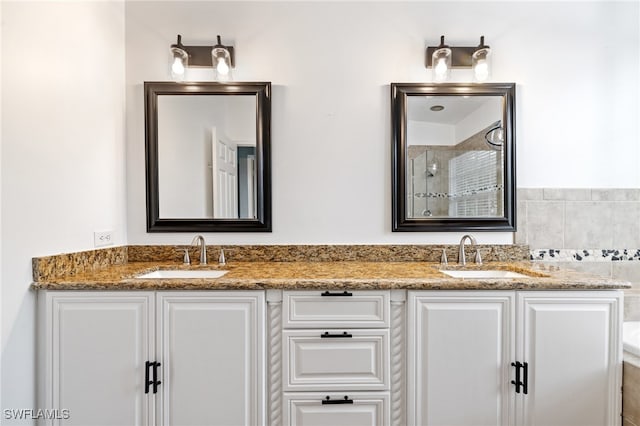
[486, 273]
[180, 273]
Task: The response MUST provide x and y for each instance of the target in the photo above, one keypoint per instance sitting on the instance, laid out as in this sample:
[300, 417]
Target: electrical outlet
[102, 238]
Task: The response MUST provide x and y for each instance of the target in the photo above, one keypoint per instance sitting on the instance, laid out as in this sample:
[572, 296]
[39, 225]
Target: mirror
[208, 156]
[453, 157]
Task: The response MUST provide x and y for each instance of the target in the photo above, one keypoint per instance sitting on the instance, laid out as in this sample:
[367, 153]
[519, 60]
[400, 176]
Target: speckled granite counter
[327, 275]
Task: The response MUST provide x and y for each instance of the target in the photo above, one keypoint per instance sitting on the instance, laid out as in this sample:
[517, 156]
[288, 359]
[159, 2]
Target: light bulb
[481, 70]
[481, 62]
[222, 62]
[222, 67]
[441, 68]
[179, 62]
[441, 60]
[177, 67]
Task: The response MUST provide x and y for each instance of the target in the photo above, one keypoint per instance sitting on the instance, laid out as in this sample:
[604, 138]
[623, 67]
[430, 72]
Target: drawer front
[361, 408]
[317, 360]
[332, 308]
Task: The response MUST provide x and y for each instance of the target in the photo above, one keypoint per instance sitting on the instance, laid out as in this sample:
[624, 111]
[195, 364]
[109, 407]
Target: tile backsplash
[595, 231]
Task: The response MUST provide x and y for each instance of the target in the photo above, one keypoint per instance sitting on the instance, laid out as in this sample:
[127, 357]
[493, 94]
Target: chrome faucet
[203, 248]
[461, 256]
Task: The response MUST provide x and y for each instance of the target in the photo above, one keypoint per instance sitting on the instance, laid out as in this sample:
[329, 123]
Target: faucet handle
[443, 258]
[186, 260]
[478, 257]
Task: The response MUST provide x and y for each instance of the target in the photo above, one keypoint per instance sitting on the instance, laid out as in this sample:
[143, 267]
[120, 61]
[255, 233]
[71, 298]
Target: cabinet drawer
[318, 360]
[362, 408]
[355, 309]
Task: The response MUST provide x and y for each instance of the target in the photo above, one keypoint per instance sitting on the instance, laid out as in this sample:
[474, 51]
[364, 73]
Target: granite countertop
[354, 275]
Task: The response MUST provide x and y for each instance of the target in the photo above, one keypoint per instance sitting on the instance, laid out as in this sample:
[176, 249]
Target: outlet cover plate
[102, 238]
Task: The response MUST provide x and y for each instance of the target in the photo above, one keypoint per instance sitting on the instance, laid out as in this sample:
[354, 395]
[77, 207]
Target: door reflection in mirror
[206, 156]
[454, 160]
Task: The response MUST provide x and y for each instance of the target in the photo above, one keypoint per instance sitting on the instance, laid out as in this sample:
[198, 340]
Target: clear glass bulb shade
[441, 64]
[221, 60]
[179, 63]
[481, 64]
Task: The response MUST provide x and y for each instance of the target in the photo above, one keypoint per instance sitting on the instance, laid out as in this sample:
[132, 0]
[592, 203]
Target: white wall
[240, 119]
[487, 114]
[62, 155]
[331, 64]
[428, 133]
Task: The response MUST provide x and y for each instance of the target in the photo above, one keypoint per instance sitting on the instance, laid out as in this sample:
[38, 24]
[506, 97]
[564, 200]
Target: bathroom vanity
[357, 342]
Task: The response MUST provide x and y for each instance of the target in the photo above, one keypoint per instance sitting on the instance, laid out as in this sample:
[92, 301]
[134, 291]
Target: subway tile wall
[561, 225]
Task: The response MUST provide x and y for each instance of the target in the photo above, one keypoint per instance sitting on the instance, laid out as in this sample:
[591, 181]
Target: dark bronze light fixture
[442, 58]
[219, 57]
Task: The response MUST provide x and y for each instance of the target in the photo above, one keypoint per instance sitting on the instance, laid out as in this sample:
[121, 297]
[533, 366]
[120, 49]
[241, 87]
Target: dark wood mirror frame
[399, 94]
[262, 92]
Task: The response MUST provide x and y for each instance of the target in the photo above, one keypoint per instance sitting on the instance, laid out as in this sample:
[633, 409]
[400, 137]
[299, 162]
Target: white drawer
[320, 308]
[317, 360]
[361, 408]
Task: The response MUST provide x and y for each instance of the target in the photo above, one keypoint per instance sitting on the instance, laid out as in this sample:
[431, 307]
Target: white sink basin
[179, 273]
[493, 273]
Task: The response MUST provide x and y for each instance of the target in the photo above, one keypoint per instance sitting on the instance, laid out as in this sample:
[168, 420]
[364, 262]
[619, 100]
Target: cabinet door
[362, 409]
[460, 345]
[211, 347]
[95, 349]
[571, 343]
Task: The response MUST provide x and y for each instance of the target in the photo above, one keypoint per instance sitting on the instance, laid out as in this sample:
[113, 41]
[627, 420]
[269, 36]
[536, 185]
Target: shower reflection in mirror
[454, 156]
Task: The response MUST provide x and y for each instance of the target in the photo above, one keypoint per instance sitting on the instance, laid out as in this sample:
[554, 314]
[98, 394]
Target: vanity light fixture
[441, 61]
[442, 58]
[219, 57]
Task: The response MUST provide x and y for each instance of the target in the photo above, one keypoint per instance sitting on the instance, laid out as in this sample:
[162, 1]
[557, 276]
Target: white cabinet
[92, 356]
[459, 349]
[571, 342]
[211, 346]
[336, 309]
[467, 350]
[358, 358]
[351, 359]
[99, 352]
[321, 409]
[335, 348]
